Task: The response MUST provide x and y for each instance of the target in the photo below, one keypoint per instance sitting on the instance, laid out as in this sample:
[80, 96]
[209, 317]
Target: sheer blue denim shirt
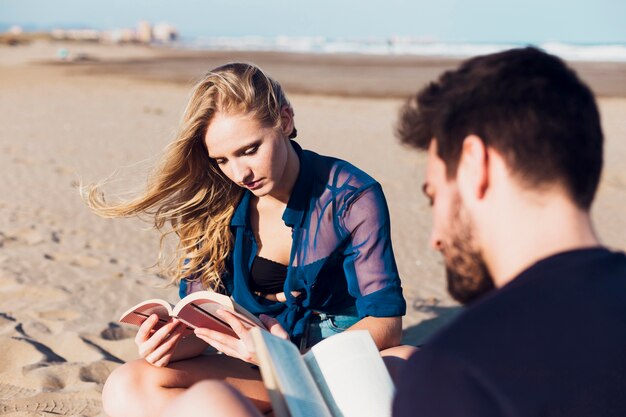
[341, 253]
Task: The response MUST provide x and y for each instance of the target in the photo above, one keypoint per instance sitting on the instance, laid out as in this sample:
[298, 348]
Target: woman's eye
[251, 151]
[220, 161]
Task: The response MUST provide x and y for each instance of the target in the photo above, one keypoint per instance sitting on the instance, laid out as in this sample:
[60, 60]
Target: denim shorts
[322, 325]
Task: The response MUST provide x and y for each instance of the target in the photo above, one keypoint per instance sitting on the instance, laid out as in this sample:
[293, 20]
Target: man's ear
[473, 171]
[286, 120]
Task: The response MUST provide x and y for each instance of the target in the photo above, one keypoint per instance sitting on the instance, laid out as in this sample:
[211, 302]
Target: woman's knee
[126, 385]
[395, 358]
[211, 397]
[403, 352]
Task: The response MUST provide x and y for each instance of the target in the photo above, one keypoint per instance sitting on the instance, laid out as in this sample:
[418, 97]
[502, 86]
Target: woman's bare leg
[395, 358]
[211, 399]
[218, 399]
[138, 388]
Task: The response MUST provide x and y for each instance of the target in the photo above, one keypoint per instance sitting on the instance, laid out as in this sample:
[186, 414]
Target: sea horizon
[398, 45]
[394, 45]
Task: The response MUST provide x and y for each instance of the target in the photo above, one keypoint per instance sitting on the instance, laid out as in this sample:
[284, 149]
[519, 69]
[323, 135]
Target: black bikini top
[267, 276]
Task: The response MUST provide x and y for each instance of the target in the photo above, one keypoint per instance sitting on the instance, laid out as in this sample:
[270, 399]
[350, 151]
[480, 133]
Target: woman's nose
[241, 172]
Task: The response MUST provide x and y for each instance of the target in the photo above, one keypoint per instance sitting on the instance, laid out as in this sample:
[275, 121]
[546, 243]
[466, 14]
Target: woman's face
[251, 155]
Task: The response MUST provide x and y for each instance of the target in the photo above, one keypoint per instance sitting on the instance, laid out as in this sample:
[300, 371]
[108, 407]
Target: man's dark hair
[524, 103]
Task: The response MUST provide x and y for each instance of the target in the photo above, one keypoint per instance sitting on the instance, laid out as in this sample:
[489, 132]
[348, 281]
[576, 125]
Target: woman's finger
[207, 334]
[145, 329]
[241, 353]
[242, 329]
[165, 349]
[159, 337]
[165, 360]
[268, 321]
[233, 321]
[225, 348]
[227, 344]
[274, 326]
[162, 363]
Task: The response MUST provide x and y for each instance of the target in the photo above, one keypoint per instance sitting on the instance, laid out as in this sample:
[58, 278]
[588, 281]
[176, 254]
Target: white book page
[279, 407]
[294, 379]
[348, 367]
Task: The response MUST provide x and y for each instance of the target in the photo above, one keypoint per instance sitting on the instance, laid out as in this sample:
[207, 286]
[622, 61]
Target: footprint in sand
[6, 321]
[64, 170]
[97, 372]
[20, 160]
[83, 261]
[86, 261]
[18, 353]
[49, 381]
[115, 343]
[8, 391]
[117, 332]
[65, 404]
[59, 315]
[30, 237]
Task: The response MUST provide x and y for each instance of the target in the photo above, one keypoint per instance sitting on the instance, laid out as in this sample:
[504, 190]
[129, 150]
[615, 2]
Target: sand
[66, 275]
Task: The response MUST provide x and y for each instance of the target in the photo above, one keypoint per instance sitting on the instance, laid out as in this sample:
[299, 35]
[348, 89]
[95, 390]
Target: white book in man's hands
[342, 376]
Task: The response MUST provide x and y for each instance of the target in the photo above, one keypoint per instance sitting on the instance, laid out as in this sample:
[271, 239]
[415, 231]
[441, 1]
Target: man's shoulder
[569, 291]
[553, 330]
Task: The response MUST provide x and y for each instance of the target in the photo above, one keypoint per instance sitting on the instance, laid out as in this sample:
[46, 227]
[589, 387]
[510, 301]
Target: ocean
[400, 46]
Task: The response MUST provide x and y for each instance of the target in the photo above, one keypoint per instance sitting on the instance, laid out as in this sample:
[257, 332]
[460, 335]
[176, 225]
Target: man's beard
[467, 274]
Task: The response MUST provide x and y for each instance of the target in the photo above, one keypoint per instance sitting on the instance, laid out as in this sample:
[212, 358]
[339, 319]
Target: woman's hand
[157, 347]
[242, 348]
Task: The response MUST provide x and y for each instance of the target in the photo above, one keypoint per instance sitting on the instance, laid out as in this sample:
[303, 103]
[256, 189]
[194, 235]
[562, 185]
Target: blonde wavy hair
[187, 194]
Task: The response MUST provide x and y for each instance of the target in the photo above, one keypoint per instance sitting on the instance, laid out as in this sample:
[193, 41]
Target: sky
[498, 21]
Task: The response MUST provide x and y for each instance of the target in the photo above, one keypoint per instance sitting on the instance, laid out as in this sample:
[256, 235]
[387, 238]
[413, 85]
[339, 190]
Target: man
[514, 158]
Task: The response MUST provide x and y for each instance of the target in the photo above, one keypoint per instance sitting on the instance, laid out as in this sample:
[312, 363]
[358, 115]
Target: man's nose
[435, 241]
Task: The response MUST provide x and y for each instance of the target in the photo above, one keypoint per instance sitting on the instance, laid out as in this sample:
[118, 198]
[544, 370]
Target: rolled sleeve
[370, 264]
[386, 302]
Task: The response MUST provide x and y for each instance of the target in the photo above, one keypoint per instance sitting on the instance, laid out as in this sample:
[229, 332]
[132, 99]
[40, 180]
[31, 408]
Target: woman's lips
[253, 185]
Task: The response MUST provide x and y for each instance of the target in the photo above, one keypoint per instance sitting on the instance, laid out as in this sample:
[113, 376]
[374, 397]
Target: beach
[66, 275]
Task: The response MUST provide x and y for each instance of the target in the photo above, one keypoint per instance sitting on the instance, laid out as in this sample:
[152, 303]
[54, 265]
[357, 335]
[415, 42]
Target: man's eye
[251, 151]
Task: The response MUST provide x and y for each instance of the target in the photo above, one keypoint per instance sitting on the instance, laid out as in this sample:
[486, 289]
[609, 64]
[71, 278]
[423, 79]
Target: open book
[198, 309]
[342, 376]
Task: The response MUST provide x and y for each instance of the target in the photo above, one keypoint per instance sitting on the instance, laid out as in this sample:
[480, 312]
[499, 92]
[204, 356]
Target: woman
[298, 238]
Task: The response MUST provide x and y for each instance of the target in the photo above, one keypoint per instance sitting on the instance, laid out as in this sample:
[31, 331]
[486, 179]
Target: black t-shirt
[552, 342]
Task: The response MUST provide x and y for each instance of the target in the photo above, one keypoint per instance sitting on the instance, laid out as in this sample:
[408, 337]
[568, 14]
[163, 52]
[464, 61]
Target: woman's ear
[286, 120]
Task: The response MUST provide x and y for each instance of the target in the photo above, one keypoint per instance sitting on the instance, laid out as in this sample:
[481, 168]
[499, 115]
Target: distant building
[15, 30]
[123, 35]
[76, 34]
[165, 33]
[144, 32]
